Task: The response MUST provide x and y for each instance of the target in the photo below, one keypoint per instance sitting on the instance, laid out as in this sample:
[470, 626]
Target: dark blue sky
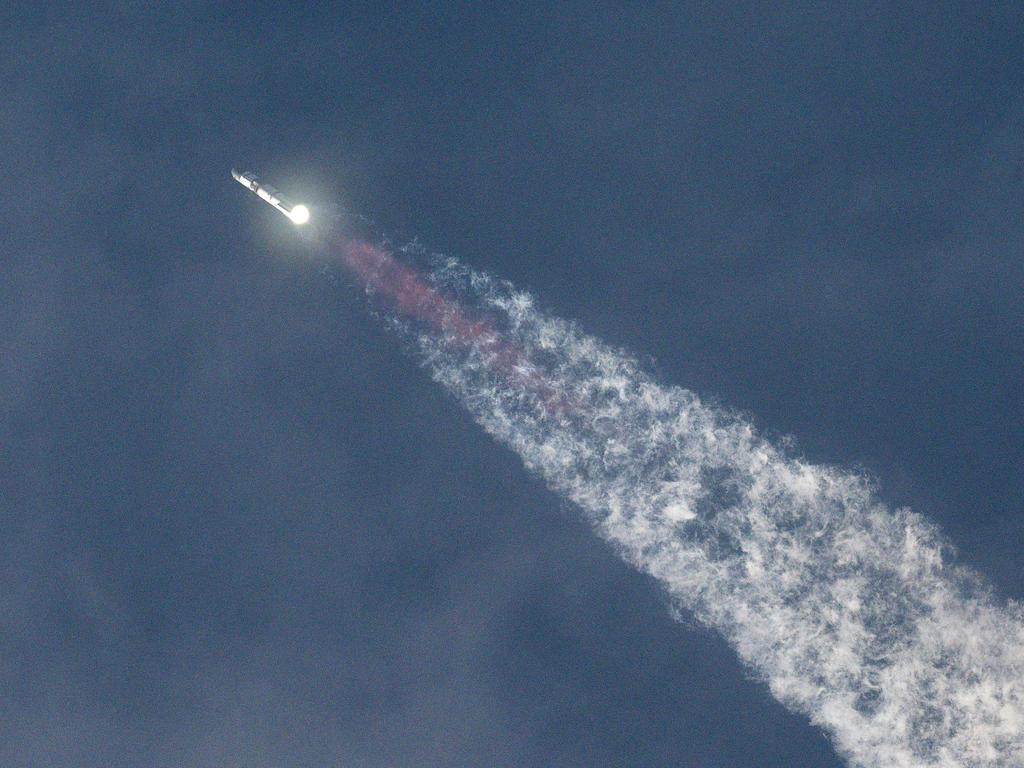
[242, 528]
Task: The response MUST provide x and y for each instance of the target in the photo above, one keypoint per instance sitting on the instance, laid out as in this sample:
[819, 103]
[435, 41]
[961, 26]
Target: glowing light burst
[299, 214]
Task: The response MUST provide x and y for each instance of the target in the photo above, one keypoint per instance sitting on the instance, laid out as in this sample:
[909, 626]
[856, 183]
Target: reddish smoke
[401, 286]
[403, 290]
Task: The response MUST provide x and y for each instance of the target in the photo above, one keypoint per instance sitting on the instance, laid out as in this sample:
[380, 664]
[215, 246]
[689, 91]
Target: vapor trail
[851, 612]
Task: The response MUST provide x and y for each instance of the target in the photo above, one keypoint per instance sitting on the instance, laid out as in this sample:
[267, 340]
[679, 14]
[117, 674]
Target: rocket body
[297, 213]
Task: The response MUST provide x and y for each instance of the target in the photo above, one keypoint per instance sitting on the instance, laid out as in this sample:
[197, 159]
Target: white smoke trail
[852, 613]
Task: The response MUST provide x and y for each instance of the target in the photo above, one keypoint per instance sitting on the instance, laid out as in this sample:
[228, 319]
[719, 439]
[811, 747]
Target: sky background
[243, 528]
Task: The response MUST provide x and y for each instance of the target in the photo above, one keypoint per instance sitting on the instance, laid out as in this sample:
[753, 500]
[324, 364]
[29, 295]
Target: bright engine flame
[300, 214]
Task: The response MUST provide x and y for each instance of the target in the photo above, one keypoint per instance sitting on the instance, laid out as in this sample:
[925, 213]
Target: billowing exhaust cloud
[851, 612]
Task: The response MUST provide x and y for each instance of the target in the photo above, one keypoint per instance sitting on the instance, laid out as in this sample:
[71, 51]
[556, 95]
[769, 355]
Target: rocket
[297, 213]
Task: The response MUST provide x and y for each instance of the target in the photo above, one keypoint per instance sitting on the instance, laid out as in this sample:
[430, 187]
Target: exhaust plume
[852, 613]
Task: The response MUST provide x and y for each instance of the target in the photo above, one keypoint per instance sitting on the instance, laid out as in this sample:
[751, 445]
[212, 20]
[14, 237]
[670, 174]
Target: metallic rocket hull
[299, 214]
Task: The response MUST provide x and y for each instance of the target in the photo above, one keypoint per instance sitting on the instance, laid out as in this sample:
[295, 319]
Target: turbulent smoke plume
[851, 612]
